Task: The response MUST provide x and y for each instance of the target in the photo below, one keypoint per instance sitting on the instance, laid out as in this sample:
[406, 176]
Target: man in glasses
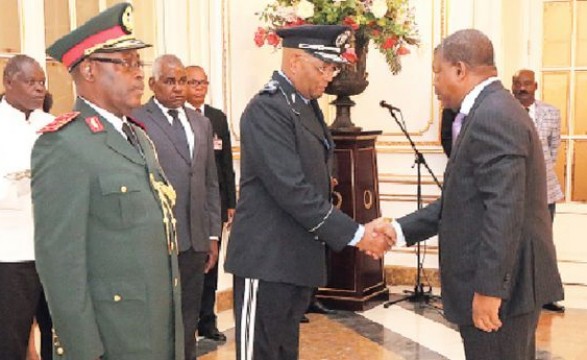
[284, 216]
[183, 139]
[197, 89]
[104, 229]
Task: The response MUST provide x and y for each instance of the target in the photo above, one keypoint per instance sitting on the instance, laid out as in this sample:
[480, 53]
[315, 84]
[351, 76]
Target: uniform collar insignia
[94, 124]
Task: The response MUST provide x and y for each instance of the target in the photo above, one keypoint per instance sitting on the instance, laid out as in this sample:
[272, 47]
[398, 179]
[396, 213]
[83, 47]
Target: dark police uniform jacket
[284, 216]
[108, 269]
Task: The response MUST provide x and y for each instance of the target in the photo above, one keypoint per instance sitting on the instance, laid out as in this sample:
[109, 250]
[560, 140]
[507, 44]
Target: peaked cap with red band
[109, 31]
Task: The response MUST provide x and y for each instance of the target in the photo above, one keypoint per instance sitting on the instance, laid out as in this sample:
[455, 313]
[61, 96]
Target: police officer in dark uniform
[104, 231]
[285, 217]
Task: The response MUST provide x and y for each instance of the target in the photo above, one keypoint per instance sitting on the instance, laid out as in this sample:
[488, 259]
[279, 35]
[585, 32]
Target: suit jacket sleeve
[60, 244]
[554, 137]
[421, 225]
[270, 133]
[227, 168]
[212, 192]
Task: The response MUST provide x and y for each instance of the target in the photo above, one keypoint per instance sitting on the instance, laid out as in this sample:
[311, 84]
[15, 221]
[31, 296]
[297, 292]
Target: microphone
[382, 103]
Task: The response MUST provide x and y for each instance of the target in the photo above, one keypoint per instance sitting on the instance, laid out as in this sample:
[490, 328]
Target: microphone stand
[418, 295]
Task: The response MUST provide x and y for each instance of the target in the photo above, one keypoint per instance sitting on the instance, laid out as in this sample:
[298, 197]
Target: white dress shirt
[17, 137]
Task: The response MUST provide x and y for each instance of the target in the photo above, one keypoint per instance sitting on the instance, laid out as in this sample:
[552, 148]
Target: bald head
[524, 87]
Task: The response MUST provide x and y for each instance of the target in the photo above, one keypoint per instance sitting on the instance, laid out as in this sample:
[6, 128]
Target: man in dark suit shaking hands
[497, 258]
[183, 140]
[197, 89]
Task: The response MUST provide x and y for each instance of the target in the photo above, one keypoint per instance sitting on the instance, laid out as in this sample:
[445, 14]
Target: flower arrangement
[388, 23]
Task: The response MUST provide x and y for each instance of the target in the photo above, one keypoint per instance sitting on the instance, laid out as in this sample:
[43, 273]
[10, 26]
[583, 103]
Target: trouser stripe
[248, 313]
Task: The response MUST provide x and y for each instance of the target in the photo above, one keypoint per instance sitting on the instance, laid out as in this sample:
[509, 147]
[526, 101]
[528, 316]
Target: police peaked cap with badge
[109, 31]
[326, 42]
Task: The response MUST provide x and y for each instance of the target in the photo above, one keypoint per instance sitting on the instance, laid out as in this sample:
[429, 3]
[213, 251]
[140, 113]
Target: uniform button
[117, 298]
[175, 282]
[123, 189]
[59, 351]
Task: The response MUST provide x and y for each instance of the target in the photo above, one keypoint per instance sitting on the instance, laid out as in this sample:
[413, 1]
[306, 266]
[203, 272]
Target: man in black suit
[285, 217]
[183, 139]
[197, 88]
[497, 258]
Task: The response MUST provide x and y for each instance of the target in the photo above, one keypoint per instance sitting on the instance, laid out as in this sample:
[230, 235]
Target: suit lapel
[160, 120]
[113, 139]
[469, 119]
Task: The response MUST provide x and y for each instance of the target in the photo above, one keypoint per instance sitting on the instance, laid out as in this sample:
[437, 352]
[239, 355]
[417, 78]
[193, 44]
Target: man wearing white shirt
[20, 119]
[183, 140]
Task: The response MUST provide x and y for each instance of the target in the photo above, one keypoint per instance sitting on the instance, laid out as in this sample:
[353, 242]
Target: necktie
[456, 126]
[131, 136]
[179, 132]
[198, 110]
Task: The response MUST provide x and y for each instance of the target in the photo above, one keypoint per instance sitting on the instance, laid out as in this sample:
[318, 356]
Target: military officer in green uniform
[104, 232]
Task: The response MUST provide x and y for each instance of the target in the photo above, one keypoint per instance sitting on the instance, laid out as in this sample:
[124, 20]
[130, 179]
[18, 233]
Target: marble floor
[412, 332]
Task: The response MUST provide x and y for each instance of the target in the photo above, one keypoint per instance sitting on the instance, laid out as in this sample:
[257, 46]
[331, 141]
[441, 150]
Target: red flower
[350, 55]
[349, 21]
[389, 43]
[297, 22]
[403, 50]
[260, 35]
[273, 39]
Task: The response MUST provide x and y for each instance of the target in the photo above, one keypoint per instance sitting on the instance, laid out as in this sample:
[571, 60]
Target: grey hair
[14, 65]
[163, 59]
[469, 46]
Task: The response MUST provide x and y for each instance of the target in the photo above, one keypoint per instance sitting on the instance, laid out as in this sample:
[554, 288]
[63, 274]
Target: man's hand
[230, 213]
[379, 237]
[486, 312]
[212, 256]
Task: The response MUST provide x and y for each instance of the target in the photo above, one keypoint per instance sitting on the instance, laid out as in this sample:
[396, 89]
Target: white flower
[287, 13]
[305, 9]
[379, 8]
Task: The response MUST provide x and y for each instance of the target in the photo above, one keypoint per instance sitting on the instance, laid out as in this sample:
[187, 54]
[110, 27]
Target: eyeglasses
[194, 83]
[126, 64]
[326, 69]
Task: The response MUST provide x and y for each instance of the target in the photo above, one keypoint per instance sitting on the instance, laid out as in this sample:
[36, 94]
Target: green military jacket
[107, 261]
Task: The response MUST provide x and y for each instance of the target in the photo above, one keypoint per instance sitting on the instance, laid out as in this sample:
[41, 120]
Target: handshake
[379, 237]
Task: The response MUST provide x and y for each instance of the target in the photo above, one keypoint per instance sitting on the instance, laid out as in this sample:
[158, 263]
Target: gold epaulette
[59, 122]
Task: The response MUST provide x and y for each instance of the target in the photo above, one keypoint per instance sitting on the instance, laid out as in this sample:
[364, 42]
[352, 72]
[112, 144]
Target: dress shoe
[304, 320]
[213, 334]
[554, 307]
[319, 308]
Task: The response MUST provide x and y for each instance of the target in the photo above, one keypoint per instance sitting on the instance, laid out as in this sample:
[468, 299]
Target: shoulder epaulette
[270, 88]
[59, 122]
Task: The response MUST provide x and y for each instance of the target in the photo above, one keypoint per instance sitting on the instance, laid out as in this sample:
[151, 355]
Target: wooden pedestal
[355, 280]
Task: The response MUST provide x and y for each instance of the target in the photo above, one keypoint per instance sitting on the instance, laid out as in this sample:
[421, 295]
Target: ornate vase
[352, 80]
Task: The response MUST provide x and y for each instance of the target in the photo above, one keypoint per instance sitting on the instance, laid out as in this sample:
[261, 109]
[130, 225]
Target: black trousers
[515, 340]
[45, 326]
[267, 317]
[191, 269]
[20, 290]
[207, 320]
